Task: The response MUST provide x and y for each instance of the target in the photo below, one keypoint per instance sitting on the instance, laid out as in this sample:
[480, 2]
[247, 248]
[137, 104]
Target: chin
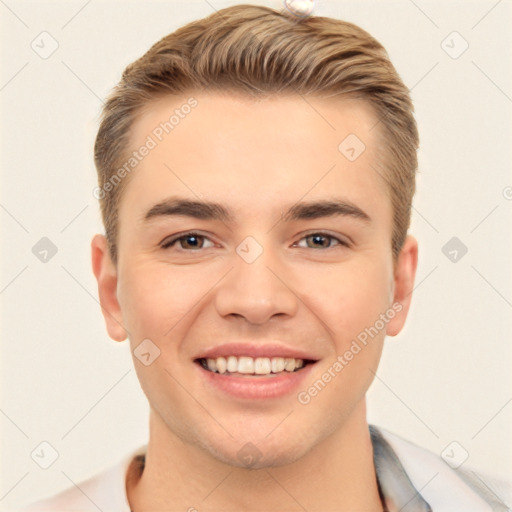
[258, 455]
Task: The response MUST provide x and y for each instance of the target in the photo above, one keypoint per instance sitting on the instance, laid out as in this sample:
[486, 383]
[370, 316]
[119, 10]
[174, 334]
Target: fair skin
[312, 294]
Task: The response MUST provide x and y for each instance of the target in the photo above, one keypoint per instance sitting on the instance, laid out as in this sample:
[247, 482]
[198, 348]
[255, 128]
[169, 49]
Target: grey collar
[396, 489]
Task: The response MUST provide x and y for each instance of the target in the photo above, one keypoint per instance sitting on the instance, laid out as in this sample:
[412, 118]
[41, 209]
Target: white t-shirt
[411, 479]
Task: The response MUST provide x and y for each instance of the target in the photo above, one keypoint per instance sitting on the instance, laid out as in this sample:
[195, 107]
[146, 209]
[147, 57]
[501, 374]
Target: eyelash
[168, 244]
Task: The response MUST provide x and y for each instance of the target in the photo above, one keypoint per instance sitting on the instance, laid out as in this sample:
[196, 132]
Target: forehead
[254, 153]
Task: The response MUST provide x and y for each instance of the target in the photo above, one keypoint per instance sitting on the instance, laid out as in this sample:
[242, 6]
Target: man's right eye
[194, 240]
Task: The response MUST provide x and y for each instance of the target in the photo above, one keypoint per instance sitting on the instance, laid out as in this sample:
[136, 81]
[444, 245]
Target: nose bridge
[254, 288]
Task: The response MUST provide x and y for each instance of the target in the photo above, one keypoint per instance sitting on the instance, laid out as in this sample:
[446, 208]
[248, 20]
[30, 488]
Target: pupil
[318, 238]
[194, 240]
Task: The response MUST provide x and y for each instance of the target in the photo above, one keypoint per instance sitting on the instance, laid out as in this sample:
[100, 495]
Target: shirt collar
[396, 489]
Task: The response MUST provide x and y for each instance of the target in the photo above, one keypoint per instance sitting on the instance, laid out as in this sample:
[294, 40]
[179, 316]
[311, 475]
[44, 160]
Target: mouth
[246, 366]
[257, 379]
[254, 371]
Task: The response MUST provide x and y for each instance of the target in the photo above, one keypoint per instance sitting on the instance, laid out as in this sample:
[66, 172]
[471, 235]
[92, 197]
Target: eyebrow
[207, 210]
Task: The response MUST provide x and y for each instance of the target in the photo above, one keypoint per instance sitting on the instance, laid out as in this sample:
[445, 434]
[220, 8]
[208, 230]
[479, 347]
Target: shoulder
[449, 487]
[104, 491]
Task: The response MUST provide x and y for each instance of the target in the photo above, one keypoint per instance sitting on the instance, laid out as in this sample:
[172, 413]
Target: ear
[405, 272]
[106, 275]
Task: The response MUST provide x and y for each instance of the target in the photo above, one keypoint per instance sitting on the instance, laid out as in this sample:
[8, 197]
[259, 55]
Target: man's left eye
[322, 241]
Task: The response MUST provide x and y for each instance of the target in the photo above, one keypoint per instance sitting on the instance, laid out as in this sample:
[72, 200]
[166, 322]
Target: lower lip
[257, 387]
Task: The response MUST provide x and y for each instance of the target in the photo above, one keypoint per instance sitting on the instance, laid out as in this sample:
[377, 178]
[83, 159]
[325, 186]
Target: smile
[256, 379]
[245, 365]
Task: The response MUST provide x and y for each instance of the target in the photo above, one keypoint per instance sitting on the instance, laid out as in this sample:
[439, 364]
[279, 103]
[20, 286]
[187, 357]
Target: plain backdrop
[445, 378]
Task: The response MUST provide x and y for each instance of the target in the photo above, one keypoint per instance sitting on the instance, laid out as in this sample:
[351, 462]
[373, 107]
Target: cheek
[354, 297]
[157, 299]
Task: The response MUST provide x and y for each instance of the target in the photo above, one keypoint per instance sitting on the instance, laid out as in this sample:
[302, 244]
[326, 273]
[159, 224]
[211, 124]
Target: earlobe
[405, 273]
[106, 275]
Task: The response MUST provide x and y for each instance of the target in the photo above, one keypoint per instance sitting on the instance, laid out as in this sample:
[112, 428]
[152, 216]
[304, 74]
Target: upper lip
[255, 350]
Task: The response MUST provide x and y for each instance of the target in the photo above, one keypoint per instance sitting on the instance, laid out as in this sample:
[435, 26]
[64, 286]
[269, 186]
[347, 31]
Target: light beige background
[446, 377]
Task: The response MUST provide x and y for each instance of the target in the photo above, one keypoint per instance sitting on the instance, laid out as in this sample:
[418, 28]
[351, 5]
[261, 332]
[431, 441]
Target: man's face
[256, 282]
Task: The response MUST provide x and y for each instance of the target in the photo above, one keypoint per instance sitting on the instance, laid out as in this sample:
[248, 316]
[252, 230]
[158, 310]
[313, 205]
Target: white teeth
[277, 364]
[262, 366]
[245, 365]
[289, 364]
[232, 364]
[249, 365]
[221, 365]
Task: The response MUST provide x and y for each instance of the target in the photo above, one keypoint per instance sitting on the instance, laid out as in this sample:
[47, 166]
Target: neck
[337, 474]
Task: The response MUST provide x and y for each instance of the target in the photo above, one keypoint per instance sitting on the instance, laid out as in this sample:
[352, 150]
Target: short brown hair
[258, 51]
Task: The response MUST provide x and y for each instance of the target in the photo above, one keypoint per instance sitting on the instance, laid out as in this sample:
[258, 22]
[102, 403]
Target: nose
[257, 290]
